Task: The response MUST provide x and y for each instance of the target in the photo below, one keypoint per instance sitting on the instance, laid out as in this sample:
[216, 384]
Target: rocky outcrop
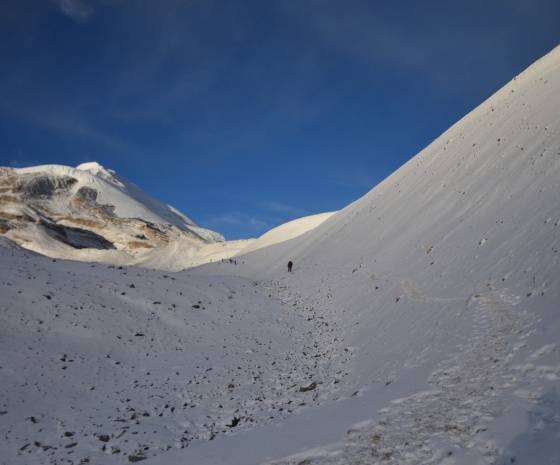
[44, 186]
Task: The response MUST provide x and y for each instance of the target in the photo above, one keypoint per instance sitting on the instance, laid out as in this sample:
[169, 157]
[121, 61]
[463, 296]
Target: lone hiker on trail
[290, 266]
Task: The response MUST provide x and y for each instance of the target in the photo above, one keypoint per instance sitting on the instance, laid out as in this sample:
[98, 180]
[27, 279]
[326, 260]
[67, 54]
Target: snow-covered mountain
[93, 214]
[420, 325]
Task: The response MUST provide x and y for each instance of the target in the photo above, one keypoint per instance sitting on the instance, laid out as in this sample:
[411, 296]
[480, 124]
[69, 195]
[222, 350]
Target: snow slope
[178, 256]
[228, 250]
[443, 285]
[420, 325]
[287, 231]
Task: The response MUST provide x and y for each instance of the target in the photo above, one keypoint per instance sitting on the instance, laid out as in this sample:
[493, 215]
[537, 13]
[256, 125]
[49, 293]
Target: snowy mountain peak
[99, 171]
[93, 167]
[91, 213]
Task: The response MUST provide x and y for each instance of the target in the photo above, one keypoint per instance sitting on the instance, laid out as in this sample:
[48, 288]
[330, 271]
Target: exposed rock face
[77, 238]
[87, 198]
[44, 186]
[87, 194]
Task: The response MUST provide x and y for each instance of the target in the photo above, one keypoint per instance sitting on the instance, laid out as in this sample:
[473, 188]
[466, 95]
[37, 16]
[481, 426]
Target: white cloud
[75, 9]
[237, 218]
[283, 208]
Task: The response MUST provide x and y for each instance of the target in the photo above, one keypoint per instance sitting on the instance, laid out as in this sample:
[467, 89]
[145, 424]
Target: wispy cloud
[278, 207]
[441, 44]
[238, 219]
[78, 10]
[71, 125]
[20, 159]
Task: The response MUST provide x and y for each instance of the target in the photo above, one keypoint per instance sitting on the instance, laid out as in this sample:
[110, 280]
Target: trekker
[290, 266]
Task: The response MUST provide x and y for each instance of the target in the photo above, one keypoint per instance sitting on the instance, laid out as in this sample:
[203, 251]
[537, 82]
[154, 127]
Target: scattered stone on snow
[308, 387]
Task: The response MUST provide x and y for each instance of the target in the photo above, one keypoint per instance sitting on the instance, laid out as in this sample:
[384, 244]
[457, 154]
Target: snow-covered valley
[420, 325]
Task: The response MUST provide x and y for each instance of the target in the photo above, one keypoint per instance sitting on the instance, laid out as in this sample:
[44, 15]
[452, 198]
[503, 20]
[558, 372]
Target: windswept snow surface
[420, 325]
[288, 231]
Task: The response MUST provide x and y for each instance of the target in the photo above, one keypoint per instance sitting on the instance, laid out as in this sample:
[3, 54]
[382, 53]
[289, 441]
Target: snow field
[107, 362]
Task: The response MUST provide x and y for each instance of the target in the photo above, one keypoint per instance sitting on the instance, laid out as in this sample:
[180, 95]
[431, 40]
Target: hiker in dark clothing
[290, 266]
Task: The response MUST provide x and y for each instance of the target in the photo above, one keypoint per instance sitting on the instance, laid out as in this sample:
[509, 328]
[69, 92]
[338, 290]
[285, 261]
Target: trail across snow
[412, 293]
[445, 424]
[319, 361]
[430, 427]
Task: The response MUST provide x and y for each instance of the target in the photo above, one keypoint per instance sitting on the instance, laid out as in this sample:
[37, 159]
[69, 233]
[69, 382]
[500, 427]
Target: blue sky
[247, 114]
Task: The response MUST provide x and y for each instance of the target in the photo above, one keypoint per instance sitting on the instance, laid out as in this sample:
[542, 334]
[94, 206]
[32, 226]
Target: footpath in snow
[460, 407]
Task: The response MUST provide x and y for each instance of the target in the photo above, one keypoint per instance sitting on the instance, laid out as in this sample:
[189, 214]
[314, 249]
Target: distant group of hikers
[290, 264]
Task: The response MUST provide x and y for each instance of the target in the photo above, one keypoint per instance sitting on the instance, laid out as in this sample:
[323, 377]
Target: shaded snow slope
[419, 326]
[101, 363]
